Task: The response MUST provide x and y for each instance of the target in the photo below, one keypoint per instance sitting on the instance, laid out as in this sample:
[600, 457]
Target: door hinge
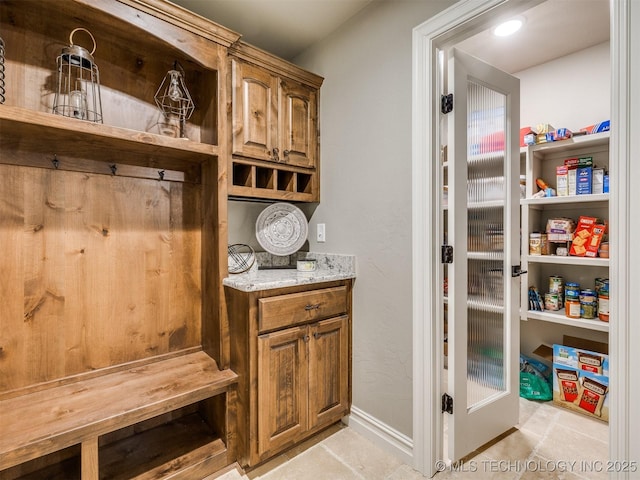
[447, 254]
[516, 271]
[446, 103]
[447, 403]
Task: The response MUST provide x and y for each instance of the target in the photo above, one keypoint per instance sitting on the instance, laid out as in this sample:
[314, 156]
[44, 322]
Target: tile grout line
[337, 457]
[543, 438]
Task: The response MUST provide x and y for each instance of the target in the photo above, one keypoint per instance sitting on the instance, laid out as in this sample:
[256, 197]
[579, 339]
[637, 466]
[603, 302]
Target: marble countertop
[329, 268]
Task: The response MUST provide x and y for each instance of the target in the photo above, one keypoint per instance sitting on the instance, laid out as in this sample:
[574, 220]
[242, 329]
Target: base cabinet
[294, 364]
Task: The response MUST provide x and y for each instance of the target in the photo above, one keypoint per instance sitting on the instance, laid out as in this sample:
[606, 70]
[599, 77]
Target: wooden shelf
[195, 451]
[561, 260]
[193, 444]
[568, 200]
[72, 140]
[61, 416]
[560, 317]
[272, 182]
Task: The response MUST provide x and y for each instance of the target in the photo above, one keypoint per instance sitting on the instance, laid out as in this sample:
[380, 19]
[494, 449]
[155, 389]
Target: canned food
[587, 296]
[604, 250]
[556, 284]
[603, 306]
[572, 308]
[551, 301]
[588, 310]
[572, 291]
[534, 244]
[602, 285]
[588, 304]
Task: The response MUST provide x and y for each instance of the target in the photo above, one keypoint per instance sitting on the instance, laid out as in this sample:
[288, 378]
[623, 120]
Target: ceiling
[282, 27]
[287, 27]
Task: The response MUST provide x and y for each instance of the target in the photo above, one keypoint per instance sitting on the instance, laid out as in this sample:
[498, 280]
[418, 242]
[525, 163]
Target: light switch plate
[320, 233]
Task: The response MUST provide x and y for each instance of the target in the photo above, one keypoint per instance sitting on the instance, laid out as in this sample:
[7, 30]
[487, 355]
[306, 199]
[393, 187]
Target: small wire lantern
[78, 91]
[173, 98]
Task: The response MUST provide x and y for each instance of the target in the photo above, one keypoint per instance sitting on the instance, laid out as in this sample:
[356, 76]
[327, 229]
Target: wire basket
[241, 258]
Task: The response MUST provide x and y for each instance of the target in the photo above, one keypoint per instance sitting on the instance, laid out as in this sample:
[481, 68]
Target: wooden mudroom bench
[81, 410]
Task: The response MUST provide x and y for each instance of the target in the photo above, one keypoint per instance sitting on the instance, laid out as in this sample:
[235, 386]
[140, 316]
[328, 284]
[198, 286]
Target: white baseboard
[381, 434]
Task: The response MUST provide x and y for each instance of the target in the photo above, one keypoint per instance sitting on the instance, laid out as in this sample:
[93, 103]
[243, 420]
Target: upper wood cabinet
[274, 119]
[274, 125]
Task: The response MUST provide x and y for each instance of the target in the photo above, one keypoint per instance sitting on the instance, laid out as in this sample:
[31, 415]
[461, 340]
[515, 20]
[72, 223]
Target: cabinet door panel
[282, 387]
[329, 371]
[298, 115]
[254, 111]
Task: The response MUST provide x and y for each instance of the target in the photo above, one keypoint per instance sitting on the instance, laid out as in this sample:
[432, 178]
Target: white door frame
[454, 24]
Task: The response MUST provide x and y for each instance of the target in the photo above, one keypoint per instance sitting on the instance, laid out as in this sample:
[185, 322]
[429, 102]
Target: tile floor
[549, 443]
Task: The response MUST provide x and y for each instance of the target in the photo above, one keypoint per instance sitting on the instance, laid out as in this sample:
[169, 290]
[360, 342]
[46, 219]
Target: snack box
[524, 131]
[584, 180]
[592, 246]
[598, 127]
[562, 180]
[581, 378]
[582, 236]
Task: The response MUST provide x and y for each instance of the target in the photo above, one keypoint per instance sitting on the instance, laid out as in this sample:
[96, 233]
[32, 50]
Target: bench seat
[45, 421]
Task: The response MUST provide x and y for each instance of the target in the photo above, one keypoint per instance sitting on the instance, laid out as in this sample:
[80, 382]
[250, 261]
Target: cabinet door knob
[316, 335]
[309, 307]
[276, 154]
[286, 153]
[306, 338]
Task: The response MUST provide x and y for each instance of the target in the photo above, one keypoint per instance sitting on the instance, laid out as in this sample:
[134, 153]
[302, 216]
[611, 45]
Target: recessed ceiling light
[508, 28]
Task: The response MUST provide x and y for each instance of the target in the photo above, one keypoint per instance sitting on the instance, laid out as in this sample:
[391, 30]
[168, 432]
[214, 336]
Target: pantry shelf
[560, 260]
[568, 200]
[561, 318]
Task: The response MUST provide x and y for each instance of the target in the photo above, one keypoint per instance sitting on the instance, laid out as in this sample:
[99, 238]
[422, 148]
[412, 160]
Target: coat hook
[160, 174]
[55, 161]
[113, 168]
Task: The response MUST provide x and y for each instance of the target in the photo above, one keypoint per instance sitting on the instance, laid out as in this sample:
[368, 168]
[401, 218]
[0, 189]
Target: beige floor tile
[537, 468]
[232, 474]
[566, 444]
[363, 456]
[317, 463]
[517, 445]
[404, 472]
[266, 467]
[583, 424]
[537, 418]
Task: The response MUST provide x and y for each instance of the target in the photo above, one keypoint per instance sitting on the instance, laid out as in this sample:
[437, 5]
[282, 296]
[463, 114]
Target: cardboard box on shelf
[581, 377]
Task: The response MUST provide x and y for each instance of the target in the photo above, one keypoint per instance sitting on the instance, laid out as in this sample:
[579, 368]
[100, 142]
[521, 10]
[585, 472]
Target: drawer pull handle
[310, 307]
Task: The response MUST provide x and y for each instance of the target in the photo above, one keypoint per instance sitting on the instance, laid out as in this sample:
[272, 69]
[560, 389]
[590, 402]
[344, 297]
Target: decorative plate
[281, 229]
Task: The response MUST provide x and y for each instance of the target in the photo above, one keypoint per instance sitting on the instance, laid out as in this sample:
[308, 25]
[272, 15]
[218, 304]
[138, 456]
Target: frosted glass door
[483, 224]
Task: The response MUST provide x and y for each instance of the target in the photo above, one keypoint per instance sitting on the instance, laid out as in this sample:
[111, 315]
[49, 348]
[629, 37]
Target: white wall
[572, 92]
[366, 191]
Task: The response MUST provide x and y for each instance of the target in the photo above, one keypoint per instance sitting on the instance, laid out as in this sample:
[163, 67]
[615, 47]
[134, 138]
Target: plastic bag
[534, 385]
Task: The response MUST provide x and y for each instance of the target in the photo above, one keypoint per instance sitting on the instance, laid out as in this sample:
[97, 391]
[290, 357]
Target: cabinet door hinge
[447, 254]
[447, 403]
[446, 103]
[516, 271]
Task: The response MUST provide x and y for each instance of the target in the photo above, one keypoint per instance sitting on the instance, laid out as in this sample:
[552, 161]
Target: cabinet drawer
[285, 310]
